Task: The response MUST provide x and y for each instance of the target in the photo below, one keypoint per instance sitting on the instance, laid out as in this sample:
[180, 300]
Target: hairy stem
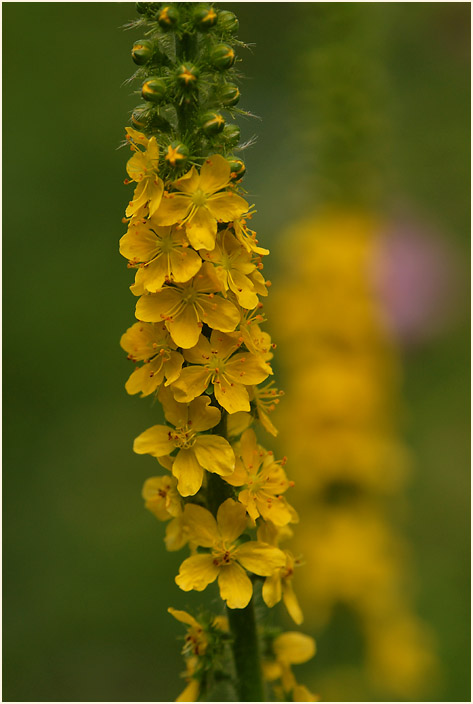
[246, 653]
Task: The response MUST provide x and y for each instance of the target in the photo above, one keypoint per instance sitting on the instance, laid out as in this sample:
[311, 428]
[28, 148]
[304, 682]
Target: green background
[86, 579]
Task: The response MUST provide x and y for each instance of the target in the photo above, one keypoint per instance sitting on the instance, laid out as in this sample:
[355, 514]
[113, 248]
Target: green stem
[246, 653]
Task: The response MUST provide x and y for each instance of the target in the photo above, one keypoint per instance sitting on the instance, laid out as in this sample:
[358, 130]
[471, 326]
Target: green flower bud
[212, 123]
[145, 118]
[168, 17]
[205, 17]
[142, 52]
[154, 89]
[187, 75]
[228, 22]
[229, 94]
[177, 154]
[231, 133]
[237, 167]
[222, 56]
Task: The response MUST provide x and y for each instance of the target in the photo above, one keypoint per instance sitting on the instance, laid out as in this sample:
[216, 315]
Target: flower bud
[154, 89]
[205, 17]
[231, 133]
[177, 154]
[168, 17]
[237, 167]
[145, 118]
[140, 119]
[142, 52]
[228, 22]
[212, 123]
[187, 75]
[229, 94]
[222, 56]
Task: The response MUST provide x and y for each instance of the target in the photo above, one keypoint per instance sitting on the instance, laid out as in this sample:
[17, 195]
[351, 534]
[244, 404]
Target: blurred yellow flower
[161, 497]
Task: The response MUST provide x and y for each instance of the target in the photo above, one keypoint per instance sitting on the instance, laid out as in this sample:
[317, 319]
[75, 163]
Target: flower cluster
[198, 344]
[349, 456]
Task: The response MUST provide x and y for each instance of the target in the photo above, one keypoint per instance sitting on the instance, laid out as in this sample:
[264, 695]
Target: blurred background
[360, 175]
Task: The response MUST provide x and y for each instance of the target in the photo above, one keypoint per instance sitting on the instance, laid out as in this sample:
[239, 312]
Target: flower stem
[246, 653]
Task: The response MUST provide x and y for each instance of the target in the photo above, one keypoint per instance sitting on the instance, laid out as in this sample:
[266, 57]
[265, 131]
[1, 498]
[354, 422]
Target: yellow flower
[263, 481]
[247, 237]
[192, 690]
[196, 639]
[200, 202]
[196, 452]
[266, 399]
[177, 534]
[256, 340]
[214, 362]
[143, 168]
[161, 497]
[161, 253]
[186, 307]
[232, 266]
[279, 584]
[227, 560]
[291, 648]
[150, 343]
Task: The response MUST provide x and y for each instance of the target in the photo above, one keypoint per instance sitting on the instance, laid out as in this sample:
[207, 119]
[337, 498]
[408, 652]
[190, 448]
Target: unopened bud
[228, 22]
[212, 123]
[229, 94]
[187, 75]
[222, 57]
[168, 17]
[142, 52]
[154, 89]
[177, 154]
[205, 17]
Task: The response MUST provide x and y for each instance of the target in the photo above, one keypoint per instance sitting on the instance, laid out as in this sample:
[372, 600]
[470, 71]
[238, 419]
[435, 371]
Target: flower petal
[218, 313]
[291, 603]
[197, 572]
[235, 586]
[246, 368]
[227, 206]
[176, 534]
[173, 366]
[192, 383]
[184, 617]
[231, 520]
[156, 306]
[154, 441]
[188, 472]
[272, 590]
[185, 263]
[214, 174]
[173, 208]
[233, 397]
[201, 229]
[260, 558]
[201, 525]
[294, 648]
[184, 327]
[215, 454]
[203, 416]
